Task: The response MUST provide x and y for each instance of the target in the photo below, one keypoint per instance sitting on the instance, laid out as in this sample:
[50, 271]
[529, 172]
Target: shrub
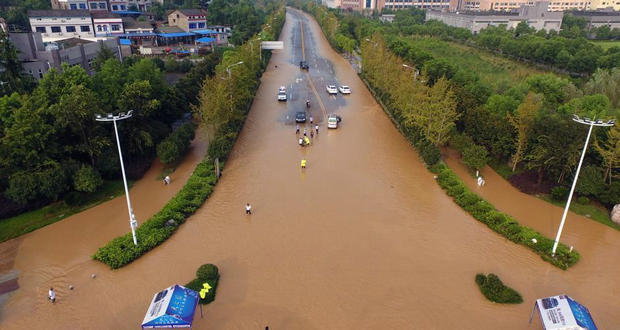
[559, 193]
[610, 195]
[475, 157]
[590, 181]
[460, 141]
[493, 288]
[176, 144]
[583, 200]
[429, 152]
[206, 273]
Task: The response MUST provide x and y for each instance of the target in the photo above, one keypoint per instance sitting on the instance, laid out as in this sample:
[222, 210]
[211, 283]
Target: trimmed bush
[493, 288]
[429, 152]
[207, 273]
[475, 156]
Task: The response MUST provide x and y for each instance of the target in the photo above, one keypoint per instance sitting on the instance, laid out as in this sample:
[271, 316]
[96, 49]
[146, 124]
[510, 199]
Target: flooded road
[363, 238]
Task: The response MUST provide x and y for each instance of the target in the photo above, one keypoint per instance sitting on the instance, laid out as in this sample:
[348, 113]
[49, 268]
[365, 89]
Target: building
[605, 4]
[61, 24]
[421, 4]
[141, 5]
[188, 19]
[70, 4]
[107, 24]
[98, 5]
[599, 18]
[536, 16]
[508, 5]
[332, 3]
[38, 58]
[119, 5]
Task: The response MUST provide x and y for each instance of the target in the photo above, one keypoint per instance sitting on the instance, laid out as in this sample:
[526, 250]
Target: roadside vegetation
[216, 109]
[510, 115]
[493, 288]
[206, 274]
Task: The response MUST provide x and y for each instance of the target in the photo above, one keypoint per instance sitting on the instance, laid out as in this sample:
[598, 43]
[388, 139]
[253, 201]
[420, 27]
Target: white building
[98, 5]
[61, 24]
[119, 5]
[107, 24]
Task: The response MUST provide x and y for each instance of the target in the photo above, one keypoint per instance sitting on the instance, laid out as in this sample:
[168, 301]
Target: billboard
[272, 44]
[563, 313]
[172, 307]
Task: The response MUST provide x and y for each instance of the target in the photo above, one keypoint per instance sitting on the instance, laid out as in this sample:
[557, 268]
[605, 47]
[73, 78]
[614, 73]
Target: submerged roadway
[363, 238]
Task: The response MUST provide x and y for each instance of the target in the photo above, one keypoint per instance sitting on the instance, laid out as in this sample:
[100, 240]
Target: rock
[171, 223]
[615, 214]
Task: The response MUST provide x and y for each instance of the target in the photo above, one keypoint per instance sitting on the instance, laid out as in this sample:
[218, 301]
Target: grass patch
[495, 71]
[606, 44]
[493, 288]
[595, 212]
[501, 168]
[33, 220]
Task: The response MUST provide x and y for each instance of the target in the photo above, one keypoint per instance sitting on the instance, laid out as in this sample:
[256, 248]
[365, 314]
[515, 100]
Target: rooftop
[169, 29]
[105, 15]
[58, 13]
[193, 12]
[71, 42]
[132, 23]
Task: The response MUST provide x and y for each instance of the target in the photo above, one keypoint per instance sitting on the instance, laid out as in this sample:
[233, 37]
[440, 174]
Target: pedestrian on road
[297, 129]
[248, 208]
[51, 295]
[305, 131]
[301, 142]
[303, 163]
[167, 179]
[311, 120]
[317, 129]
[312, 134]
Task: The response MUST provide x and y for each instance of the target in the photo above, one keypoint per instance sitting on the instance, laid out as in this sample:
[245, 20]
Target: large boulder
[615, 214]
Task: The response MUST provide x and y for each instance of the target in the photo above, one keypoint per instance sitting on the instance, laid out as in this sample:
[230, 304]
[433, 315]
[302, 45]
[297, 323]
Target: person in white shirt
[248, 208]
[51, 295]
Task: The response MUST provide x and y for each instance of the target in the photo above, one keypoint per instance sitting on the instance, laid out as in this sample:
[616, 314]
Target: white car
[333, 120]
[344, 89]
[282, 93]
[331, 89]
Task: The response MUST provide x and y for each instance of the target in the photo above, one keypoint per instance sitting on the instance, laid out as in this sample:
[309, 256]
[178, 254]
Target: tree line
[527, 126]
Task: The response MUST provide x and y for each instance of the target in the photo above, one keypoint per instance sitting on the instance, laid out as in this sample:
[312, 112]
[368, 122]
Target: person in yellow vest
[306, 140]
[303, 163]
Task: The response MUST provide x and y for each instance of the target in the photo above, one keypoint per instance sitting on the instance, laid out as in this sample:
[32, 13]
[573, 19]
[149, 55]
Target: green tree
[609, 149]
[522, 121]
[605, 82]
[475, 156]
[87, 179]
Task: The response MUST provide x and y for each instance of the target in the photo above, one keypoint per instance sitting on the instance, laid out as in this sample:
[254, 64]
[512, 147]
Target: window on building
[123, 7]
[105, 28]
[201, 25]
[192, 25]
[70, 28]
[102, 5]
[116, 27]
[93, 5]
[40, 29]
[114, 7]
[99, 28]
[84, 28]
[82, 6]
[73, 6]
[55, 29]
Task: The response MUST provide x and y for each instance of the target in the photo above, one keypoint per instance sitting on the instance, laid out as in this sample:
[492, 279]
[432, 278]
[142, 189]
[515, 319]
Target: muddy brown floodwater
[363, 238]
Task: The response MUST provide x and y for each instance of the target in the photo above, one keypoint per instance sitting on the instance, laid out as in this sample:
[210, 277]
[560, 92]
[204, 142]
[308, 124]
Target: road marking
[303, 53]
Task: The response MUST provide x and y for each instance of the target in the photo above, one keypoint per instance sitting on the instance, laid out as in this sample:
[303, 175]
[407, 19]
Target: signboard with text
[563, 313]
[272, 44]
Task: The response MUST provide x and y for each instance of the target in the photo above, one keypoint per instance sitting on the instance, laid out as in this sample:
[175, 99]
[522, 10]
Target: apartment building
[421, 4]
[188, 19]
[536, 16]
[142, 5]
[605, 4]
[509, 5]
[70, 4]
[107, 24]
[61, 24]
[98, 5]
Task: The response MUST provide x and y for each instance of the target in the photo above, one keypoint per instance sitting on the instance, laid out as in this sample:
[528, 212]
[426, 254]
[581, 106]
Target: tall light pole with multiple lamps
[133, 223]
[591, 123]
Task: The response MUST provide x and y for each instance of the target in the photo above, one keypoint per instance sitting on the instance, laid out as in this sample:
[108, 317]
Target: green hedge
[207, 273]
[493, 288]
[121, 250]
[501, 223]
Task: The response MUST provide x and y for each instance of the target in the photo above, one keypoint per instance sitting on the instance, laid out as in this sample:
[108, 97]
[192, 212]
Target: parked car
[303, 65]
[300, 117]
[282, 93]
[333, 120]
[331, 89]
[344, 90]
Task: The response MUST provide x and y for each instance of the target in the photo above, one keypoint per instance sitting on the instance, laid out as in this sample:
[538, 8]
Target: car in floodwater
[300, 117]
[331, 89]
[282, 94]
[304, 65]
[344, 89]
[333, 120]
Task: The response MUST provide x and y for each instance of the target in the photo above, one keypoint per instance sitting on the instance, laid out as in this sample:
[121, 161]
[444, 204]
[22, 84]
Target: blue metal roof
[176, 34]
[134, 34]
[124, 41]
[127, 12]
[207, 31]
[206, 40]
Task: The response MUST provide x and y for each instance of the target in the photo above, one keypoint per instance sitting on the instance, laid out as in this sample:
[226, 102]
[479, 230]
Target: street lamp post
[230, 66]
[133, 223]
[415, 71]
[591, 123]
[230, 81]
